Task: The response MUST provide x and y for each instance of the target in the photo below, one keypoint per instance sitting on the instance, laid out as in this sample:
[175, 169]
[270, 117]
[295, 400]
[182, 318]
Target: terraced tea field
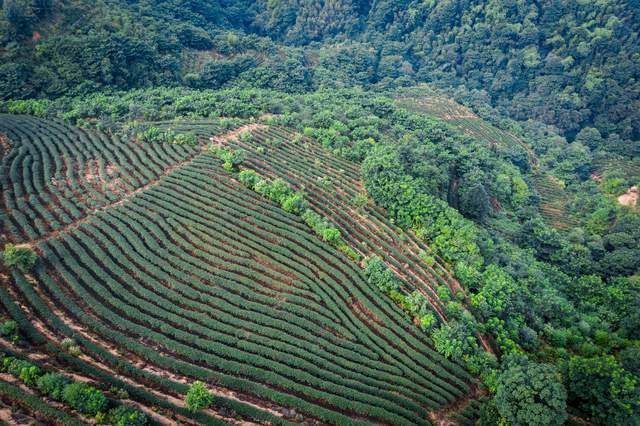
[165, 270]
[554, 201]
[332, 185]
[464, 119]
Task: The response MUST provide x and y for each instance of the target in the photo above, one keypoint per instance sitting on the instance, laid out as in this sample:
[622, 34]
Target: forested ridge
[455, 180]
[574, 65]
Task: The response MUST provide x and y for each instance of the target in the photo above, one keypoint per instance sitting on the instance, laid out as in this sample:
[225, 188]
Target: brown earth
[629, 198]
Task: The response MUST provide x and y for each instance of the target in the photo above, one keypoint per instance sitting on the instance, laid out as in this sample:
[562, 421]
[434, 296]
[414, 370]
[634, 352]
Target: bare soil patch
[629, 198]
[235, 134]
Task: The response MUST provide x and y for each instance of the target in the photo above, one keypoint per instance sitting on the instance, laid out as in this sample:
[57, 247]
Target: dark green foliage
[8, 328]
[554, 293]
[474, 201]
[249, 178]
[52, 385]
[531, 394]
[21, 257]
[32, 403]
[603, 390]
[381, 276]
[283, 349]
[216, 73]
[572, 66]
[84, 398]
[455, 340]
[411, 206]
[22, 15]
[630, 360]
[489, 415]
[126, 416]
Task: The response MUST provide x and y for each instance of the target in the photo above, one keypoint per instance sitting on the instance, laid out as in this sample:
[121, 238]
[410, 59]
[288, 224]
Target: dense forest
[570, 64]
[553, 291]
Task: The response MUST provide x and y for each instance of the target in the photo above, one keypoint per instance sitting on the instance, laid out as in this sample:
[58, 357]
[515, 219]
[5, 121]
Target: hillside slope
[244, 251]
[553, 196]
[164, 268]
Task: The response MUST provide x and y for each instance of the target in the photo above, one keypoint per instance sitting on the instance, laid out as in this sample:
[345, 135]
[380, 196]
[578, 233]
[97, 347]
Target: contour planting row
[366, 233]
[122, 278]
[57, 174]
[374, 215]
[346, 174]
[249, 203]
[186, 320]
[353, 235]
[408, 327]
[142, 386]
[553, 201]
[19, 397]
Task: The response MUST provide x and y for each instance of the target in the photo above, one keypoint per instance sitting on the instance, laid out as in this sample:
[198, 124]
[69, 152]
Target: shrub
[344, 247]
[245, 136]
[29, 375]
[21, 369]
[232, 159]
[185, 139]
[70, 346]
[125, 416]
[21, 257]
[169, 136]
[331, 235]
[417, 303]
[5, 361]
[119, 392]
[198, 397]
[324, 182]
[262, 187]
[52, 385]
[279, 190]
[454, 340]
[380, 275]
[428, 321]
[311, 218]
[294, 204]
[8, 328]
[321, 227]
[35, 107]
[67, 342]
[360, 200]
[85, 398]
[152, 134]
[75, 351]
[429, 260]
[248, 178]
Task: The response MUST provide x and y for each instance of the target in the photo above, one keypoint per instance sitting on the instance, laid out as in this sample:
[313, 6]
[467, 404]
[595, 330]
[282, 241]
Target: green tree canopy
[531, 394]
